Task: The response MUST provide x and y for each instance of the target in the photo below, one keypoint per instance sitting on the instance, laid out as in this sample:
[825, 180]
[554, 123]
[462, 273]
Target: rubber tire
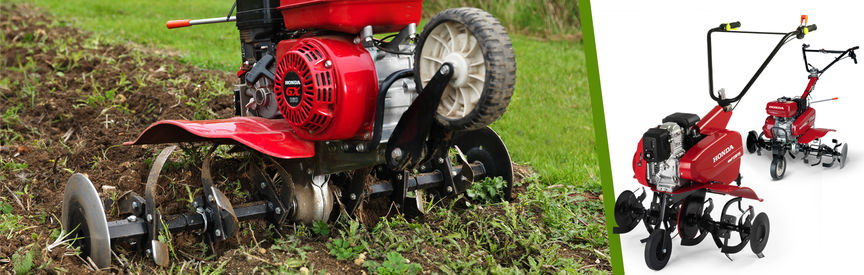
[759, 233]
[778, 163]
[500, 66]
[751, 142]
[655, 257]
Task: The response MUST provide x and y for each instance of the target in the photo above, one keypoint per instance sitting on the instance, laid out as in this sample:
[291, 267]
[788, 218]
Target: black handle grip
[735, 25]
[811, 28]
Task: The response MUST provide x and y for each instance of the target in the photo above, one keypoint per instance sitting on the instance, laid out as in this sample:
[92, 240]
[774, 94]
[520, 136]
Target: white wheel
[452, 42]
[484, 66]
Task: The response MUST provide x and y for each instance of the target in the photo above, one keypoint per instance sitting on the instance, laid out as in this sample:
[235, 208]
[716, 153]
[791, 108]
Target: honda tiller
[790, 129]
[684, 159]
[328, 115]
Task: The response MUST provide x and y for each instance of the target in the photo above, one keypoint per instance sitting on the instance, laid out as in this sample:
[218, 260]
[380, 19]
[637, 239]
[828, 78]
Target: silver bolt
[149, 217]
[278, 210]
[453, 173]
[444, 70]
[210, 198]
[345, 147]
[449, 189]
[356, 40]
[147, 252]
[132, 218]
[422, 167]
[195, 204]
[328, 64]
[399, 177]
[396, 154]
[309, 171]
[269, 205]
[263, 185]
[218, 233]
[441, 160]
[134, 205]
[360, 147]
[353, 196]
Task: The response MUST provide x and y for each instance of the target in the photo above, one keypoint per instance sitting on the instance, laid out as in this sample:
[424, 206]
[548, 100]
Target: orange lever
[178, 23]
[803, 19]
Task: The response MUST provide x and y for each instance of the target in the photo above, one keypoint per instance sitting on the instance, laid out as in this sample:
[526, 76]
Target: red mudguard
[272, 137]
[812, 134]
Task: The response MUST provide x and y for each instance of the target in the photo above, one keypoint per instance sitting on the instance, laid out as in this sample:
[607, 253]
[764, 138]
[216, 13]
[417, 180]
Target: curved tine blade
[159, 249]
[156, 169]
[160, 253]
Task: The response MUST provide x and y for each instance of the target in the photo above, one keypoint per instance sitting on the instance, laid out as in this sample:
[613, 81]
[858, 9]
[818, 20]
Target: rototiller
[684, 159]
[789, 127]
[329, 115]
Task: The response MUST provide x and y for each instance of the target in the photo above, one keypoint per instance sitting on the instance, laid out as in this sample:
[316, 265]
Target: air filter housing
[326, 87]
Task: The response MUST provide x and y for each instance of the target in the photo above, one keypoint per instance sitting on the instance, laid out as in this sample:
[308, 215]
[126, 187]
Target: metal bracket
[407, 145]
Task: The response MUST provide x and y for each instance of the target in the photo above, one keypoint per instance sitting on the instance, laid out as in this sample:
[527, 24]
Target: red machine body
[350, 16]
[712, 163]
[326, 87]
[781, 109]
[802, 127]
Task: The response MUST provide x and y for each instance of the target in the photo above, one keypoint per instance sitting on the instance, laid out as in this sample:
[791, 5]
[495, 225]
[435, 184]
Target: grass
[552, 228]
[550, 18]
[548, 124]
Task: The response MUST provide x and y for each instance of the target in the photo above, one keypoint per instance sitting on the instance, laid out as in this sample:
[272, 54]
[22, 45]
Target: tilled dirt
[68, 102]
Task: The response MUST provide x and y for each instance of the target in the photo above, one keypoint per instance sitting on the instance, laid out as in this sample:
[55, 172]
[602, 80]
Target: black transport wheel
[484, 66]
[625, 212]
[751, 142]
[778, 167]
[658, 249]
[759, 233]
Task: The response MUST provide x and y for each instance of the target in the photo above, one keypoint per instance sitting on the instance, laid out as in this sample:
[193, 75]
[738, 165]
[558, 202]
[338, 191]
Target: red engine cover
[766, 128]
[715, 158]
[326, 87]
[781, 109]
[804, 122]
[350, 16]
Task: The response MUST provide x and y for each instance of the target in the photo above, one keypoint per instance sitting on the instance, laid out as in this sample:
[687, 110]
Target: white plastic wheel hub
[453, 43]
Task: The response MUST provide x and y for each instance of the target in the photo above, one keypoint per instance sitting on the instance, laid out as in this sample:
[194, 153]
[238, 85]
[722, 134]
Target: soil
[55, 131]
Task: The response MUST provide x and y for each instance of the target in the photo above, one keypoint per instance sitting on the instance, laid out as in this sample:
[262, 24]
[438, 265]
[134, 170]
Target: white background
[652, 58]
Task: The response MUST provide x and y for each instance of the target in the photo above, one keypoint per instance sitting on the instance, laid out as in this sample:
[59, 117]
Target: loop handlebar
[799, 33]
[850, 52]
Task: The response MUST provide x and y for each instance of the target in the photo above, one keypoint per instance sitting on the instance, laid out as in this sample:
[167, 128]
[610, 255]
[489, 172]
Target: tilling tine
[683, 160]
[327, 116]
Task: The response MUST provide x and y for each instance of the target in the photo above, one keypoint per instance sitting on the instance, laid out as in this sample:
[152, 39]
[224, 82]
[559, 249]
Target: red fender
[720, 188]
[812, 134]
[272, 137]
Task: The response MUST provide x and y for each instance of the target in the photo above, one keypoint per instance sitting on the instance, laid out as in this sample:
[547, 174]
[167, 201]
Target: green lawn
[547, 126]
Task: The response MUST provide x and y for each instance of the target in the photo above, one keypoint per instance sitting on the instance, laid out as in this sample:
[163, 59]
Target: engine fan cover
[326, 87]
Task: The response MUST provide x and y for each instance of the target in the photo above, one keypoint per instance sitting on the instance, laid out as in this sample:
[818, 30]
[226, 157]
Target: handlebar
[799, 33]
[191, 22]
[842, 54]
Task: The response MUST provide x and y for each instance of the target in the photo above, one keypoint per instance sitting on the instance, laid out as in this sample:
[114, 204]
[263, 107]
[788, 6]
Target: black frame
[728, 28]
